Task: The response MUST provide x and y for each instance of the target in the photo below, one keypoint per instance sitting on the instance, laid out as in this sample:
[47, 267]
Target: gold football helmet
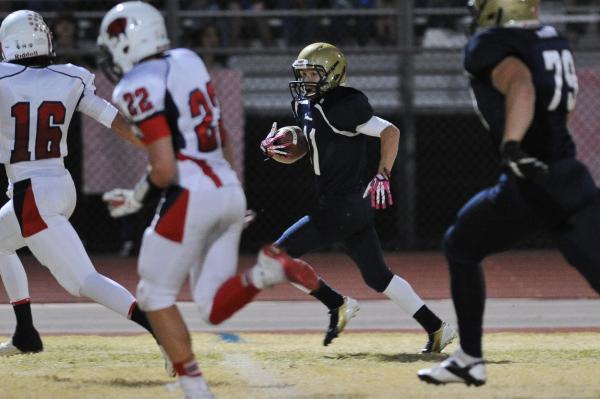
[324, 58]
[489, 13]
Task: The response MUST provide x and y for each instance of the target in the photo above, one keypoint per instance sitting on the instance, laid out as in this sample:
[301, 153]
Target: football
[294, 142]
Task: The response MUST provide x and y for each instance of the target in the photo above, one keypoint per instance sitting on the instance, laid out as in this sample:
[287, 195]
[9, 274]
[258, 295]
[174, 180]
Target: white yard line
[260, 378]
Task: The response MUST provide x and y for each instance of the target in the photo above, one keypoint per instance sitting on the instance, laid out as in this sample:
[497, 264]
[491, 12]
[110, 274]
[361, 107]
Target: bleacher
[439, 81]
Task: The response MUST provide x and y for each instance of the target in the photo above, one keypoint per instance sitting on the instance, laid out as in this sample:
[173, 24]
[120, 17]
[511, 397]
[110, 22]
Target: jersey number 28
[47, 133]
[561, 62]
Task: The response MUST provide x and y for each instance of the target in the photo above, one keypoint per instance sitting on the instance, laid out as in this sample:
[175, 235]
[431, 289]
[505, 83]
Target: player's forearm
[125, 130]
[390, 138]
[520, 108]
[163, 166]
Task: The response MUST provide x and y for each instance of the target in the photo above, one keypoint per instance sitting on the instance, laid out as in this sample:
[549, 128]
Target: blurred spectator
[205, 38]
[245, 31]
[444, 30]
[386, 25]
[575, 31]
[352, 29]
[297, 31]
[65, 34]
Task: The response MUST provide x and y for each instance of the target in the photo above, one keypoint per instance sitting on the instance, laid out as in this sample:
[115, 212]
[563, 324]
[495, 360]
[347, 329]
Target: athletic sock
[187, 368]
[426, 318]
[22, 311]
[25, 338]
[139, 316]
[330, 298]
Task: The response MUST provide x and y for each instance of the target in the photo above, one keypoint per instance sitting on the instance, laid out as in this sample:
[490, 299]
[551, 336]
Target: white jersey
[36, 108]
[173, 96]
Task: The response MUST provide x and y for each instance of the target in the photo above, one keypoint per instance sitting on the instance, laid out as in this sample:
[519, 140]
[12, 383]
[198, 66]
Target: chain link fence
[406, 57]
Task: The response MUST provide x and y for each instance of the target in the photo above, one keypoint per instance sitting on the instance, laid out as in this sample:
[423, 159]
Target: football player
[523, 78]
[336, 120]
[37, 101]
[168, 93]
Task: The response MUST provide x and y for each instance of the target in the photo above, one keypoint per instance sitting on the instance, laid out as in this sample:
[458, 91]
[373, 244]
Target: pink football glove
[379, 188]
[269, 145]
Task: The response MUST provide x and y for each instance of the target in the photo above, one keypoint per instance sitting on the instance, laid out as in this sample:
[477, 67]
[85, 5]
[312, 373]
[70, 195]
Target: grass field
[356, 366]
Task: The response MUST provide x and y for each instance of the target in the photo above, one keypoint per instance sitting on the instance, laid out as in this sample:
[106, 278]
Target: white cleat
[269, 269]
[458, 368]
[440, 339]
[9, 349]
[274, 266]
[339, 318]
[195, 388]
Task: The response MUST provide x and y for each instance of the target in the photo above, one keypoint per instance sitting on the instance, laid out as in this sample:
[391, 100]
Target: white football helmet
[130, 32]
[24, 34]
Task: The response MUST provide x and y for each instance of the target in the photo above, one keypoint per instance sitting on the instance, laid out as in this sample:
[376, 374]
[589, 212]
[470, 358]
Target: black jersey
[337, 152]
[550, 61]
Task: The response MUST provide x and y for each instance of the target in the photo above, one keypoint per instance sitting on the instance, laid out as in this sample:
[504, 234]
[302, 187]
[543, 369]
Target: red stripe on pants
[172, 223]
[30, 216]
[206, 169]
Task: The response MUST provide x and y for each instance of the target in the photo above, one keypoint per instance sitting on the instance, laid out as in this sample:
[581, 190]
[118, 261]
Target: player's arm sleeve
[350, 113]
[97, 108]
[485, 51]
[373, 127]
[89, 103]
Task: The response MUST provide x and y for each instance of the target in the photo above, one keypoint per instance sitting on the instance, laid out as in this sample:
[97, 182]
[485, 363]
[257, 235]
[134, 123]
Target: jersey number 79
[561, 62]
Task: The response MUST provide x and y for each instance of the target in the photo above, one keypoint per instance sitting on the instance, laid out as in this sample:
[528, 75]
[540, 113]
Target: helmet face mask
[491, 13]
[301, 88]
[329, 64]
[106, 63]
[24, 36]
[130, 32]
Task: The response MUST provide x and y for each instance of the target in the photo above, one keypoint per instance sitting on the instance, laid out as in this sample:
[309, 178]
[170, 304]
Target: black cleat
[19, 344]
[339, 318]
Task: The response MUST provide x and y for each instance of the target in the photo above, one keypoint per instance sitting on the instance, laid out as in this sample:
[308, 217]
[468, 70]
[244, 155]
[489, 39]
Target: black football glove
[521, 164]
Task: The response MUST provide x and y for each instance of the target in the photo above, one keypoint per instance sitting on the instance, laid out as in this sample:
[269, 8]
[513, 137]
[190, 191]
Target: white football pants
[37, 217]
[206, 249]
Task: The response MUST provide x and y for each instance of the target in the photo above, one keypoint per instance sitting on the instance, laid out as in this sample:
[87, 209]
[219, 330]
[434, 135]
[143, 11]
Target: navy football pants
[566, 204]
[347, 220]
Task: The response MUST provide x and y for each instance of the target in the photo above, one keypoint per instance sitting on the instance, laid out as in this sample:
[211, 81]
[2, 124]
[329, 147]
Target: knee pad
[457, 252]
[72, 283]
[152, 297]
[447, 242]
[378, 279]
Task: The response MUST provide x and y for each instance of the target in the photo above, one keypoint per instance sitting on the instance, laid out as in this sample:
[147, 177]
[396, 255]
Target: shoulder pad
[142, 91]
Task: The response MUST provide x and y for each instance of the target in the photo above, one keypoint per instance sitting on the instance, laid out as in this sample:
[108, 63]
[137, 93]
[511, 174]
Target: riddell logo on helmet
[116, 28]
[26, 55]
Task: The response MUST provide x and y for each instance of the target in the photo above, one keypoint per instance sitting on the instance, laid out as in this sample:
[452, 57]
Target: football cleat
[195, 388]
[458, 368]
[9, 348]
[274, 266]
[439, 339]
[339, 318]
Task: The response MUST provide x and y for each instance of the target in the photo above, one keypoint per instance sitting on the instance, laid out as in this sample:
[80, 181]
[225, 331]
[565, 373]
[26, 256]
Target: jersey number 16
[47, 134]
